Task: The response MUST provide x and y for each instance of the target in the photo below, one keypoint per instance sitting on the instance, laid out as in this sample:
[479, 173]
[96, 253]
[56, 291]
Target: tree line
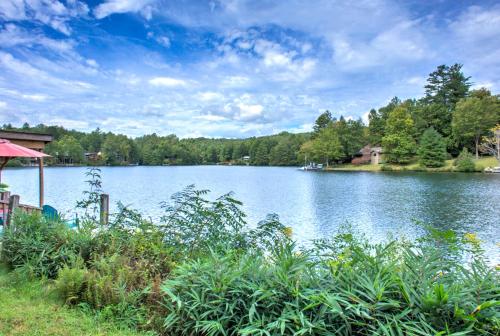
[449, 118]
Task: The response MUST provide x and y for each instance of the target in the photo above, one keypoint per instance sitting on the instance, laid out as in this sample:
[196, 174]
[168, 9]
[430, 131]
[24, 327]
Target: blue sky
[233, 68]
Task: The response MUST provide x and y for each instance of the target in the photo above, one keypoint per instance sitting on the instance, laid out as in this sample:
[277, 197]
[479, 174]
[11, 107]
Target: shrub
[193, 225]
[39, 245]
[70, 283]
[465, 162]
[342, 287]
[432, 149]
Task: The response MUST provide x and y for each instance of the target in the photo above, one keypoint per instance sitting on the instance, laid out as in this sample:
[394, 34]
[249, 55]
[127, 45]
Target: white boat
[492, 170]
[312, 167]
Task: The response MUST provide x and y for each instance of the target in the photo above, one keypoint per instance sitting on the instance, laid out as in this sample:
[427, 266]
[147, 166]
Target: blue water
[314, 204]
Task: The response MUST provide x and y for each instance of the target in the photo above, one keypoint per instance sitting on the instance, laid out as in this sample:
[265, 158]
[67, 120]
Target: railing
[9, 204]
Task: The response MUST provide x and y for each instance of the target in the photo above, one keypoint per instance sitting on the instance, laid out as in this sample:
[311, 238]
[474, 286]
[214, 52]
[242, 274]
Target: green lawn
[414, 166]
[27, 308]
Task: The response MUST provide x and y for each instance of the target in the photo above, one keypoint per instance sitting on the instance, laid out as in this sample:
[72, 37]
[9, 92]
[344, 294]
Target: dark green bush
[465, 162]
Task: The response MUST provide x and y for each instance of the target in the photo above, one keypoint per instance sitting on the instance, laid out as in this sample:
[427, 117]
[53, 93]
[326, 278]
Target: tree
[261, 156]
[116, 148]
[432, 149]
[322, 121]
[327, 147]
[375, 127]
[351, 136]
[491, 144]
[445, 87]
[474, 116]
[398, 143]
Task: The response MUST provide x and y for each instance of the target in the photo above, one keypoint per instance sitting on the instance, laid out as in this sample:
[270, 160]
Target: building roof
[15, 135]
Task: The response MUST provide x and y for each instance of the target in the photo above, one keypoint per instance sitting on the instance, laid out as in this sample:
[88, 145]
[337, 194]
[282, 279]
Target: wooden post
[13, 205]
[104, 211]
[40, 179]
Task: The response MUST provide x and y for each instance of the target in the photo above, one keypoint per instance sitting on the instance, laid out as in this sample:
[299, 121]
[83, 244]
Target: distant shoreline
[481, 164]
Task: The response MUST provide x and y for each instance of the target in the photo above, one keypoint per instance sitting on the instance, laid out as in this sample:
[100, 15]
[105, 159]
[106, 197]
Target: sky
[235, 68]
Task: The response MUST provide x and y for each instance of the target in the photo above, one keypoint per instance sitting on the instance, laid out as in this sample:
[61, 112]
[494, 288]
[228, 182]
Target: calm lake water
[314, 204]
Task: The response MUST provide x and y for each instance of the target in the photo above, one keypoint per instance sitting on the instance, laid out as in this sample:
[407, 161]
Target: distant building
[93, 156]
[368, 154]
[246, 158]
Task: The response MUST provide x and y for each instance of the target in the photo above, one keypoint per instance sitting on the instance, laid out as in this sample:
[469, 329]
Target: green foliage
[445, 87]
[322, 122]
[474, 116]
[193, 225]
[66, 150]
[70, 282]
[432, 149]
[345, 286]
[465, 162]
[39, 246]
[398, 143]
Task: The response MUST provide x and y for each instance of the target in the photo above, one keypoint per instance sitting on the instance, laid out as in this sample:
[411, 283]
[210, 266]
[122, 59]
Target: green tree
[66, 150]
[376, 127]
[116, 149]
[322, 121]
[474, 116]
[398, 143]
[261, 154]
[326, 147]
[432, 149]
[445, 87]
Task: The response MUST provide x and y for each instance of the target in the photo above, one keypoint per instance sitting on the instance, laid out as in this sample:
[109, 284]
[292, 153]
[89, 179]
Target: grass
[27, 308]
[481, 164]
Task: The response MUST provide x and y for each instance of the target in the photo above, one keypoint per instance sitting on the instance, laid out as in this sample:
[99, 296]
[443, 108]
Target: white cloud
[209, 96]
[167, 82]
[52, 13]
[110, 7]
[35, 97]
[3, 104]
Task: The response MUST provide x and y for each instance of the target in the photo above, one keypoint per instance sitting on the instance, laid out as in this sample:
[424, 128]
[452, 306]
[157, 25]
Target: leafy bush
[40, 246]
[193, 225]
[342, 287]
[70, 283]
[465, 162]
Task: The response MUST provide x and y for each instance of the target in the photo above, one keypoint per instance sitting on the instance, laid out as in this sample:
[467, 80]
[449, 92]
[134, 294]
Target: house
[93, 156]
[363, 156]
[246, 158]
[368, 154]
[376, 155]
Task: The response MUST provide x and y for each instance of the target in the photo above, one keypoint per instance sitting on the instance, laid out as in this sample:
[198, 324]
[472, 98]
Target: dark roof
[15, 135]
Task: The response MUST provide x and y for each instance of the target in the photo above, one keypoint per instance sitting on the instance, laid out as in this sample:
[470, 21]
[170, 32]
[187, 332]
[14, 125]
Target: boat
[492, 170]
[312, 167]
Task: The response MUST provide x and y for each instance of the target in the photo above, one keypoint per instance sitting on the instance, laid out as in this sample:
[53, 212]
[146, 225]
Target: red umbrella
[9, 150]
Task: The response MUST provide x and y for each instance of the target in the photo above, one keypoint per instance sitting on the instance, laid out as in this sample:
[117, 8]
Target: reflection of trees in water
[390, 203]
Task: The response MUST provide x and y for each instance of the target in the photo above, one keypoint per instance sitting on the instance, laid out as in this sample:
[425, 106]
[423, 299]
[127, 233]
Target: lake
[314, 204]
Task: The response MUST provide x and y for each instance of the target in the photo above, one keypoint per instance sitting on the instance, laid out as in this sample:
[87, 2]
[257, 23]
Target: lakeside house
[368, 155]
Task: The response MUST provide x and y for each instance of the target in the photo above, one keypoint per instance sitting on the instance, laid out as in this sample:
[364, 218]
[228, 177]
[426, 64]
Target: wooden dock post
[13, 205]
[104, 210]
